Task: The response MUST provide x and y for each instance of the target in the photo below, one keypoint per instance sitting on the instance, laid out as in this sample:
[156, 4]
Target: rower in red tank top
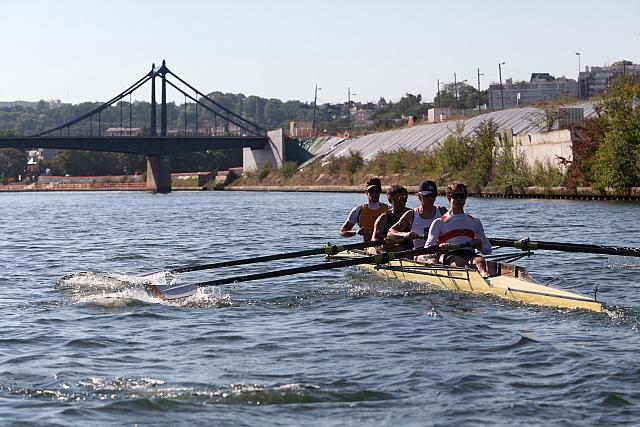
[457, 227]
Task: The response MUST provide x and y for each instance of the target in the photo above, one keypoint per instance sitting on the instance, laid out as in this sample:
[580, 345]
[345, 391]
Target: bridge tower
[159, 167]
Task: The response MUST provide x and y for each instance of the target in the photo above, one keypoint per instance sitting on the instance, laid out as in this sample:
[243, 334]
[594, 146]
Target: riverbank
[93, 186]
[581, 193]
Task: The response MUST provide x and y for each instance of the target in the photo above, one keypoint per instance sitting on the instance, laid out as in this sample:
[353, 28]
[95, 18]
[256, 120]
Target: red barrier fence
[90, 186]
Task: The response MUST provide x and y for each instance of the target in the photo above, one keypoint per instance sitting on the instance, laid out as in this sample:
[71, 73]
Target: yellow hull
[508, 281]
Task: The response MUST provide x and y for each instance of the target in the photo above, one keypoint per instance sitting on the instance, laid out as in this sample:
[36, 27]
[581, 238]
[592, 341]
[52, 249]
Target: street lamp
[500, 64]
[315, 99]
[349, 94]
[455, 90]
[579, 69]
[479, 89]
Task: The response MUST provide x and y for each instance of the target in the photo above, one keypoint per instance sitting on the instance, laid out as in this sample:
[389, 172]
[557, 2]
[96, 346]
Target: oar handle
[329, 249]
[529, 245]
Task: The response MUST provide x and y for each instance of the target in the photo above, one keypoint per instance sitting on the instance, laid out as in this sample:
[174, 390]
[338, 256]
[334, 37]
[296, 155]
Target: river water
[82, 343]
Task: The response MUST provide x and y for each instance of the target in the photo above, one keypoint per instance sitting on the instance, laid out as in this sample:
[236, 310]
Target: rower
[365, 215]
[414, 224]
[397, 196]
[457, 227]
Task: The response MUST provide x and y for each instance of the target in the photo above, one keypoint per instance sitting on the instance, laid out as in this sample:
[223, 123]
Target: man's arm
[378, 226]
[401, 230]
[481, 242]
[347, 228]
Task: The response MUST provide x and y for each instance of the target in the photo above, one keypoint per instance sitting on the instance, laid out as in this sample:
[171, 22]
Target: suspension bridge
[258, 144]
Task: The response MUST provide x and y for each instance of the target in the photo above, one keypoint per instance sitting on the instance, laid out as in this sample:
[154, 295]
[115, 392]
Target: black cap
[428, 188]
[373, 184]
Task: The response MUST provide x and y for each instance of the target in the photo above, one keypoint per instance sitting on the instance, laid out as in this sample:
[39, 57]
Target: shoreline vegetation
[532, 192]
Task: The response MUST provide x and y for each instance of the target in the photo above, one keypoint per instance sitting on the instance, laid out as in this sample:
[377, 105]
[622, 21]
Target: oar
[329, 249]
[170, 292]
[529, 245]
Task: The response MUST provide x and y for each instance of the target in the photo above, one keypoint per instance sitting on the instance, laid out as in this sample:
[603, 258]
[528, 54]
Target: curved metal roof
[423, 137]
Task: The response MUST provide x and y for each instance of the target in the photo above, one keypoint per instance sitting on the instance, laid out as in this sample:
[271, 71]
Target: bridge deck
[148, 145]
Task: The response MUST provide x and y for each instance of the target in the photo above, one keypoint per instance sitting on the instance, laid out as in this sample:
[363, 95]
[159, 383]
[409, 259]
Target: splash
[124, 290]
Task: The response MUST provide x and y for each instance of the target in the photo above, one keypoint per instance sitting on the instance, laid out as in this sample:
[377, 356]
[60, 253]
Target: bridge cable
[100, 108]
[241, 126]
[215, 103]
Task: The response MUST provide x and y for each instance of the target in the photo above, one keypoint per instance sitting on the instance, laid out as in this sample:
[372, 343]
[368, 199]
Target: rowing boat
[506, 281]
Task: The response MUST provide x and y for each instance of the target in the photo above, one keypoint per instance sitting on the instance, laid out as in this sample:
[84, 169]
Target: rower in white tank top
[413, 226]
[421, 225]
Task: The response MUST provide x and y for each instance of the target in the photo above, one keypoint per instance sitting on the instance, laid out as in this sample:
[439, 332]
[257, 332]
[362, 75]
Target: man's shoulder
[440, 220]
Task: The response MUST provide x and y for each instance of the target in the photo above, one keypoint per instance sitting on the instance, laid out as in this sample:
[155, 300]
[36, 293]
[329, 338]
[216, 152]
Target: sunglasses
[458, 195]
[374, 191]
[398, 196]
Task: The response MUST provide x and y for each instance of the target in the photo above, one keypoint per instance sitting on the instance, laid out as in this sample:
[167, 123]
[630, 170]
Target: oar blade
[172, 292]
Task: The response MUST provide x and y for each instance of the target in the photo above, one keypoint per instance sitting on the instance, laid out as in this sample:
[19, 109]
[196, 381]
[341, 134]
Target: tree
[617, 160]
[583, 152]
[13, 162]
[454, 152]
[511, 169]
[395, 114]
[482, 146]
[467, 96]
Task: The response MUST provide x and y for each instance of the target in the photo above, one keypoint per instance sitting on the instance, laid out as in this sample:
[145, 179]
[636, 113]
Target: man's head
[397, 196]
[373, 188]
[457, 193]
[427, 191]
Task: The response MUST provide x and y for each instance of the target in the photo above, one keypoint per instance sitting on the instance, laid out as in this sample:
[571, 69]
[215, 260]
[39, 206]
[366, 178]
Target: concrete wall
[438, 115]
[543, 146]
[273, 152]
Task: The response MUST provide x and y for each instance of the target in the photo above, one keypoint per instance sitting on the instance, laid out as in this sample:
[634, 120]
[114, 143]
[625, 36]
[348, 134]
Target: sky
[89, 50]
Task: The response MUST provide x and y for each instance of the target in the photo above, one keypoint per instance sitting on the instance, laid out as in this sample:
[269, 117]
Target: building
[300, 129]
[438, 115]
[125, 131]
[361, 119]
[541, 87]
[51, 104]
[595, 80]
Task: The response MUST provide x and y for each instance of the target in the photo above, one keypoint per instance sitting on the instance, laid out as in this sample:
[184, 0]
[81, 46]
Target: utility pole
[315, 99]
[479, 89]
[579, 69]
[500, 64]
[455, 91]
[349, 108]
[439, 99]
